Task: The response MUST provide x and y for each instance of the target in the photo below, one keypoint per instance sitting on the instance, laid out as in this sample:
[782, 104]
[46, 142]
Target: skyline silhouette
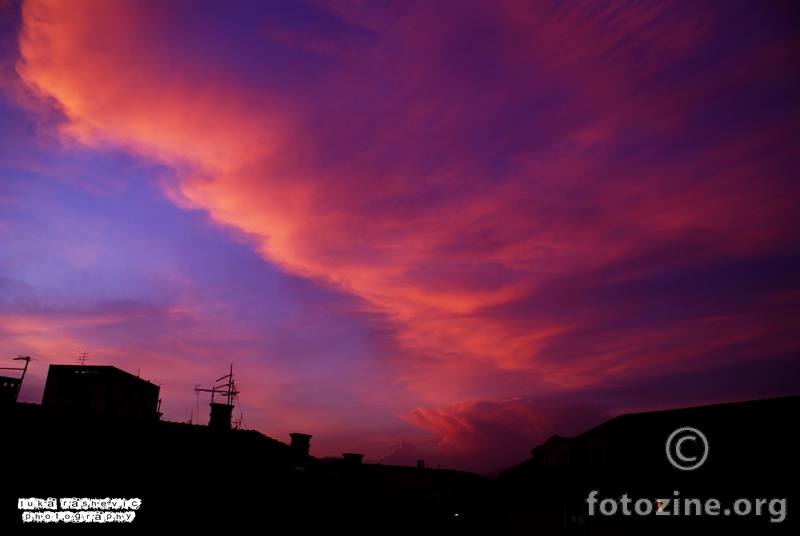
[113, 448]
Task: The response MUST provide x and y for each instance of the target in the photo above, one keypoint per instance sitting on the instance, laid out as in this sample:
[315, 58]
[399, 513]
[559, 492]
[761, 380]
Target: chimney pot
[301, 443]
[350, 458]
[220, 416]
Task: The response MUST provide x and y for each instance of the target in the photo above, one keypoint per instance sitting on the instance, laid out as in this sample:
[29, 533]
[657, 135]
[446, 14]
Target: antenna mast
[24, 369]
[227, 389]
[221, 412]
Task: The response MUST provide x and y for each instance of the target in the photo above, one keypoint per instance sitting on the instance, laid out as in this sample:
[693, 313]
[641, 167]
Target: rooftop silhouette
[98, 434]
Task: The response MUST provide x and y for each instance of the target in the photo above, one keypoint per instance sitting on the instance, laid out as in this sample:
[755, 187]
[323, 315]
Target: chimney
[420, 464]
[351, 458]
[220, 416]
[300, 444]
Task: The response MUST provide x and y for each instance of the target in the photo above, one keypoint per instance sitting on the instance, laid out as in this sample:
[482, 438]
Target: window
[556, 457]
[573, 517]
[597, 451]
[596, 455]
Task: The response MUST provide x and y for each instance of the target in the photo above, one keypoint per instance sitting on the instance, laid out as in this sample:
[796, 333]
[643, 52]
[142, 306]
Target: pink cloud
[491, 434]
[449, 170]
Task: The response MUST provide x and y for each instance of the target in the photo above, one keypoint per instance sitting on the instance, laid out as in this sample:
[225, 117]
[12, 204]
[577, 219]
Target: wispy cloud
[507, 200]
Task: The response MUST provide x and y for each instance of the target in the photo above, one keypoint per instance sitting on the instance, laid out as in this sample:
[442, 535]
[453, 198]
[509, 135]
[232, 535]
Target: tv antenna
[24, 369]
[84, 358]
[227, 389]
[197, 396]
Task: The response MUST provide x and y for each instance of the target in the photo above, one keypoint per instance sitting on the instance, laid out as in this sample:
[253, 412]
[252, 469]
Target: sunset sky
[441, 230]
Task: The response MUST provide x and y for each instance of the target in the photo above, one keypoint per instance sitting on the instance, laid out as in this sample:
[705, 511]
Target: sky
[418, 230]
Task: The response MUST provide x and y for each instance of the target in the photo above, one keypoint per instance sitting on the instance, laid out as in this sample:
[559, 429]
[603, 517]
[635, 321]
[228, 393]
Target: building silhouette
[98, 434]
[9, 387]
[100, 389]
[752, 454]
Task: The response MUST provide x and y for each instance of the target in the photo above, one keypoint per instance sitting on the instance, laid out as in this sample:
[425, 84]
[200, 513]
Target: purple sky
[440, 230]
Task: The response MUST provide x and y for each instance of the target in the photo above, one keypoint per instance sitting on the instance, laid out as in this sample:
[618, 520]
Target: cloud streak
[520, 199]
